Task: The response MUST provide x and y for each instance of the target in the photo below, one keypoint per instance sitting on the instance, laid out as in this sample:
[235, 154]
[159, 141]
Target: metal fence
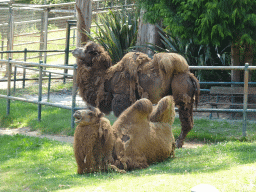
[9, 63]
[42, 27]
[24, 25]
[40, 65]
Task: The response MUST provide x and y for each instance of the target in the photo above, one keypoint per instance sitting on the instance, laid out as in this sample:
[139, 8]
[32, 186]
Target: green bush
[117, 32]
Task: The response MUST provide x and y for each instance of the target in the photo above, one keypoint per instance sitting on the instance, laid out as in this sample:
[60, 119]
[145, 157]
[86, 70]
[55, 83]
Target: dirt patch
[69, 139]
[26, 131]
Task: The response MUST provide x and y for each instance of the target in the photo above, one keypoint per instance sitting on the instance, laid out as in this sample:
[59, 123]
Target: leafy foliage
[117, 31]
[206, 21]
[197, 55]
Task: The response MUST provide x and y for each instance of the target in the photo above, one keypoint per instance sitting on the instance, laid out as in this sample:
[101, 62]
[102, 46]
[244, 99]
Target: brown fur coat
[135, 64]
[93, 141]
[144, 134]
[92, 61]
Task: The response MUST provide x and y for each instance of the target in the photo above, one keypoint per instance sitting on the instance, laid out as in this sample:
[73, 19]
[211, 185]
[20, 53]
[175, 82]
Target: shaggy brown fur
[93, 141]
[92, 61]
[137, 76]
[184, 99]
[141, 142]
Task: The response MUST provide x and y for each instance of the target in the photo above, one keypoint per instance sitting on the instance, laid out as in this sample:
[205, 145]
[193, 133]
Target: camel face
[86, 53]
[87, 116]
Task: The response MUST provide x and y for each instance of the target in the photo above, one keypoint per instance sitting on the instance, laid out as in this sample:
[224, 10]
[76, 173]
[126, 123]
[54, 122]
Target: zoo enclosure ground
[63, 96]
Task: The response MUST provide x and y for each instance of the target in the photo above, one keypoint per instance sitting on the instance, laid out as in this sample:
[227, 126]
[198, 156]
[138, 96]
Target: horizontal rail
[221, 67]
[226, 83]
[36, 102]
[221, 110]
[36, 64]
[29, 79]
[44, 6]
[34, 51]
[176, 109]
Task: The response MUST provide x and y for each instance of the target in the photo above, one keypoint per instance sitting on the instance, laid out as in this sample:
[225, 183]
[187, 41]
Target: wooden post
[147, 33]
[10, 34]
[46, 14]
[84, 19]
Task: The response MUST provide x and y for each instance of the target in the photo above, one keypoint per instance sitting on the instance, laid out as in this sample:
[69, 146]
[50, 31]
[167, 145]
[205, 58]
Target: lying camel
[142, 135]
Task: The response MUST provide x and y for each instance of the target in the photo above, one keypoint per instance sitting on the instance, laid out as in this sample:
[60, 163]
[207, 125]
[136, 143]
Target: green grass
[33, 164]
[58, 121]
[33, 89]
[53, 121]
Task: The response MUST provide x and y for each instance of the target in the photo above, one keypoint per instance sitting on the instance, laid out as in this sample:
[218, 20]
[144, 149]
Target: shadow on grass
[209, 158]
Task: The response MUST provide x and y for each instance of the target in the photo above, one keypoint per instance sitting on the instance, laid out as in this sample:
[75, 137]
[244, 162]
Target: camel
[144, 134]
[141, 135]
[115, 88]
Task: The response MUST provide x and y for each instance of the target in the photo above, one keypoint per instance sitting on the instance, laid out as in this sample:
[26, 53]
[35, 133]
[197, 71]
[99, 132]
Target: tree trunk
[248, 54]
[147, 33]
[84, 19]
[235, 61]
[248, 58]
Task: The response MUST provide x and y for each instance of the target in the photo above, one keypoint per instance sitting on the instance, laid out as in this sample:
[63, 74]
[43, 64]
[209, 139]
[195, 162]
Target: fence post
[246, 79]
[14, 79]
[46, 14]
[49, 87]
[2, 46]
[9, 67]
[66, 50]
[10, 30]
[24, 70]
[73, 96]
[41, 37]
[40, 90]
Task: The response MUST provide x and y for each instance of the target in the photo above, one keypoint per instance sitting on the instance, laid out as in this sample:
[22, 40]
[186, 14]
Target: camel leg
[186, 119]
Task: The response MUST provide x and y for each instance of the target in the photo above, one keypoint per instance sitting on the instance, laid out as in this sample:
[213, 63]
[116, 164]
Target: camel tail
[196, 88]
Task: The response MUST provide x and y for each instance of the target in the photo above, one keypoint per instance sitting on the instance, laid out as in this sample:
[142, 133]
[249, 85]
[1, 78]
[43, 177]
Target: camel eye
[90, 113]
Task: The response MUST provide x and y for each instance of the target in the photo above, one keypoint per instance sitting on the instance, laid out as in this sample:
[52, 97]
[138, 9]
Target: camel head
[88, 116]
[88, 53]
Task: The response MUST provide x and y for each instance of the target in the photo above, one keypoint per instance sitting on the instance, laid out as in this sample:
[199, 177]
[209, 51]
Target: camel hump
[164, 111]
[171, 63]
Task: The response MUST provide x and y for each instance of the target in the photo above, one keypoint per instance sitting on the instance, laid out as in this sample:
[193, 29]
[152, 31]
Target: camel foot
[179, 143]
[113, 167]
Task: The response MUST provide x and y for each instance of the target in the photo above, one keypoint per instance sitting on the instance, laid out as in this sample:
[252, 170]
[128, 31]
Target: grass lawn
[227, 161]
[33, 164]
[58, 121]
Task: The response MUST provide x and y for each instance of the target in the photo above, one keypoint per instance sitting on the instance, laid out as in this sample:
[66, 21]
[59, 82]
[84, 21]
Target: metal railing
[40, 79]
[245, 110]
[9, 62]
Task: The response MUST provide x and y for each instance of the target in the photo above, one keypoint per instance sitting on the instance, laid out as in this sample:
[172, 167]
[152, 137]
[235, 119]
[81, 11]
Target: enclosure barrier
[246, 69]
[40, 102]
[9, 62]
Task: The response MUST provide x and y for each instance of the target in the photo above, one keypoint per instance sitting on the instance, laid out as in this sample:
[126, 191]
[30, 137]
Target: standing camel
[115, 88]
